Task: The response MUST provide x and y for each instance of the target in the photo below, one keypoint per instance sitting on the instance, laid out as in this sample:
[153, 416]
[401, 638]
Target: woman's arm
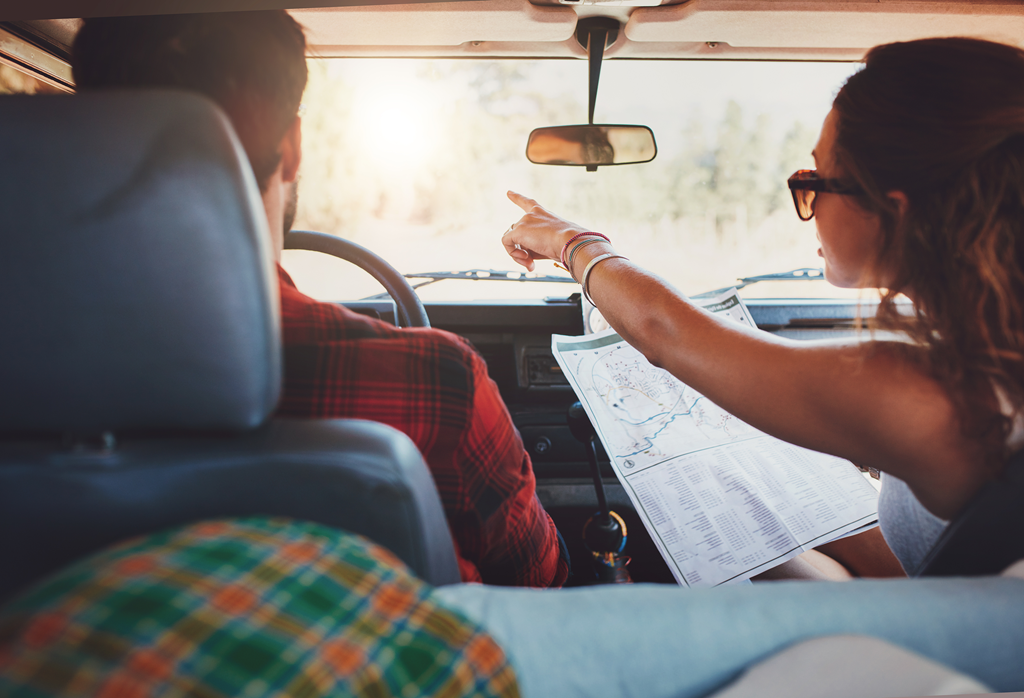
[862, 400]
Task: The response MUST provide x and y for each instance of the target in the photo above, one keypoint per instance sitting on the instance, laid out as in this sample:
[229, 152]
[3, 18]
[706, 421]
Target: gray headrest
[137, 286]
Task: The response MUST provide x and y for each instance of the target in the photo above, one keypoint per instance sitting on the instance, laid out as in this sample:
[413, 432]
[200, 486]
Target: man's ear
[291, 151]
[901, 201]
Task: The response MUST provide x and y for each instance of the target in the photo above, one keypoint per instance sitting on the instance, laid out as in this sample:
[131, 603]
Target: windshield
[412, 158]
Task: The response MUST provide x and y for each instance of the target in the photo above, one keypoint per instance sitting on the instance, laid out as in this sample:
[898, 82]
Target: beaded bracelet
[586, 273]
[574, 237]
[574, 250]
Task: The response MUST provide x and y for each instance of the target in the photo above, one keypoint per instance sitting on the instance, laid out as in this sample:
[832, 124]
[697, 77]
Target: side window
[25, 68]
[13, 81]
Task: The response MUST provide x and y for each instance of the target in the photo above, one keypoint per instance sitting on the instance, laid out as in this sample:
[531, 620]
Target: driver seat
[142, 359]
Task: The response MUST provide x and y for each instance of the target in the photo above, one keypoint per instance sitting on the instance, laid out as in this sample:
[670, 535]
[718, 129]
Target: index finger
[523, 202]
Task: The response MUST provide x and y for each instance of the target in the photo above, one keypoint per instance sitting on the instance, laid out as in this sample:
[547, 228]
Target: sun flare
[395, 122]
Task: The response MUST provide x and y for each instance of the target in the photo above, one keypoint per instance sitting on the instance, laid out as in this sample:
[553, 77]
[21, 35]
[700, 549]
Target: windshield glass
[412, 158]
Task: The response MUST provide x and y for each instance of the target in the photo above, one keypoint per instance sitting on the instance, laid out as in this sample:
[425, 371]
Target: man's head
[252, 64]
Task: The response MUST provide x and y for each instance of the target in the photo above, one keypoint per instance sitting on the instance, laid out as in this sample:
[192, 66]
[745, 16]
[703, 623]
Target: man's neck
[273, 204]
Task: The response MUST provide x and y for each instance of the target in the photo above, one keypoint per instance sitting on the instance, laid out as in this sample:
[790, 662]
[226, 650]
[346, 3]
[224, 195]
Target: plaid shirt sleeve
[432, 386]
[253, 607]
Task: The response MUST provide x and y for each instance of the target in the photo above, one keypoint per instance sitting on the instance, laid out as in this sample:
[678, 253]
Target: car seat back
[988, 535]
[141, 356]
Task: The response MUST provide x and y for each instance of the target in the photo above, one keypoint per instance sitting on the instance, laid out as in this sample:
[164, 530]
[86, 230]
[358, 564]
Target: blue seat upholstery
[141, 356]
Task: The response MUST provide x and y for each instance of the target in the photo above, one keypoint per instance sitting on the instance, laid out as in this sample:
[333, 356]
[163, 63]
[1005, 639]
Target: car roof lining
[701, 29]
[698, 29]
[14, 10]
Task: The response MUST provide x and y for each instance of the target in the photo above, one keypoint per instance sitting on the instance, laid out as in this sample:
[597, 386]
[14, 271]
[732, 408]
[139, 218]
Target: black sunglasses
[805, 184]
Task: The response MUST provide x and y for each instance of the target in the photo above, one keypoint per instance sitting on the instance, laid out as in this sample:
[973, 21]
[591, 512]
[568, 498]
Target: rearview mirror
[591, 145]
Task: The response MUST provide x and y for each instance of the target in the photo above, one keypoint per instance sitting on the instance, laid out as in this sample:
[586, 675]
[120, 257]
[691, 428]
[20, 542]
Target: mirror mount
[595, 34]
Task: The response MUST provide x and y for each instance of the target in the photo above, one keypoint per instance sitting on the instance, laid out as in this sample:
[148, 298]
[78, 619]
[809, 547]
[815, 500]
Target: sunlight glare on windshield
[395, 118]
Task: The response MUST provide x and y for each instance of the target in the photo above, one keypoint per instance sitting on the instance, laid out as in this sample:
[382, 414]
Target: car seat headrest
[137, 280]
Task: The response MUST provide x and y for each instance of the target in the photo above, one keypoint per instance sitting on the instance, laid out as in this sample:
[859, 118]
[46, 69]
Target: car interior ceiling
[702, 29]
[515, 338]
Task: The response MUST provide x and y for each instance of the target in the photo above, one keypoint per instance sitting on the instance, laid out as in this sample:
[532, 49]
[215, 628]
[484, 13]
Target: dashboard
[514, 337]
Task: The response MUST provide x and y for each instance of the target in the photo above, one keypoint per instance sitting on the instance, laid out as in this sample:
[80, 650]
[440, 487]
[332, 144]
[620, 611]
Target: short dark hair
[252, 64]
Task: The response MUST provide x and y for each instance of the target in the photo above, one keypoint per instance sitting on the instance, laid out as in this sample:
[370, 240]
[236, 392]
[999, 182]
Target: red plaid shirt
[431, 385]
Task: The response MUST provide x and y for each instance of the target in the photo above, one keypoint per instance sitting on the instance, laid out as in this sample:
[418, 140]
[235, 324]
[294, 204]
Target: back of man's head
[252, 64]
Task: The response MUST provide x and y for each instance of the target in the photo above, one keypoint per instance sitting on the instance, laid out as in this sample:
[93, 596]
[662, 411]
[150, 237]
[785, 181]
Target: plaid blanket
[247, 608]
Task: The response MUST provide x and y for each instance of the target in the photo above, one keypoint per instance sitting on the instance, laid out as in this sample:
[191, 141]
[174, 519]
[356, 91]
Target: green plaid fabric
[245, 608]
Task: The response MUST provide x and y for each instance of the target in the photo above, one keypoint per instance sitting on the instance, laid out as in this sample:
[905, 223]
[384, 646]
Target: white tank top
[909, 529]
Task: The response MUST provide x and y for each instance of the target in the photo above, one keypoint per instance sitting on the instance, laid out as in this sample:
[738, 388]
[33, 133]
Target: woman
[919, 190]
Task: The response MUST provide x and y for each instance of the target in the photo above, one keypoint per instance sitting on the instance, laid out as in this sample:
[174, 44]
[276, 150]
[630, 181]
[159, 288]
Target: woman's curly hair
[942, 120]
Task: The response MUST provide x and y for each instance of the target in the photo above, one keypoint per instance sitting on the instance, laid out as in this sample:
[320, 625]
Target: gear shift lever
[604, 533]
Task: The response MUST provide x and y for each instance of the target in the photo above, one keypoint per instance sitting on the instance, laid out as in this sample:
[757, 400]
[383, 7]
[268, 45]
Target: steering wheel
[411, 312]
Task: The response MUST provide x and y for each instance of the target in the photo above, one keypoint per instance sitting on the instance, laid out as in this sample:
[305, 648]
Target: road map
[722, 500]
